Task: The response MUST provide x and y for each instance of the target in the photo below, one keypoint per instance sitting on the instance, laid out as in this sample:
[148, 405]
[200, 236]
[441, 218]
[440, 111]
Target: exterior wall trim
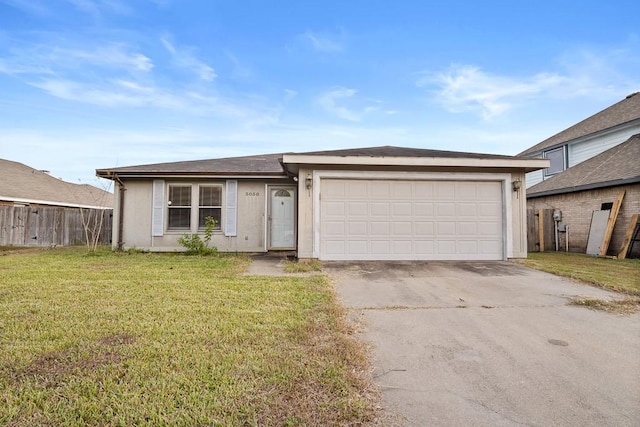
[505, 178]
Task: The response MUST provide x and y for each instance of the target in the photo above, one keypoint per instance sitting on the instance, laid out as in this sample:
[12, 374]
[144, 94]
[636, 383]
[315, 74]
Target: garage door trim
[504, 178]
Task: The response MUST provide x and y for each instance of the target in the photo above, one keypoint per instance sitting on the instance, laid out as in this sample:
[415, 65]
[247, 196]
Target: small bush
[196, 245]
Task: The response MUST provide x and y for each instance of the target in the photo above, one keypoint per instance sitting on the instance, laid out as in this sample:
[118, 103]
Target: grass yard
[621, 275]
[167, 339]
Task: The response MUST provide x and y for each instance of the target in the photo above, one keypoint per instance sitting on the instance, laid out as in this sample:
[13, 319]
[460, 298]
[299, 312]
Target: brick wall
[577, 209]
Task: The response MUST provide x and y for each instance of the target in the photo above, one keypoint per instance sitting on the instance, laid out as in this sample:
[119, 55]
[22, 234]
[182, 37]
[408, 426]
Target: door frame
[292, 188]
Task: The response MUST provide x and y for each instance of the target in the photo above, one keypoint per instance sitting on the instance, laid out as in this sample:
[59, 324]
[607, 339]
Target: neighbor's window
[210, 204]
[179, 207]
[556, 157]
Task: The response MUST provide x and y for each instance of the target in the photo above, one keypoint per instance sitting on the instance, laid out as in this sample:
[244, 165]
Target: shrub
[196, 245]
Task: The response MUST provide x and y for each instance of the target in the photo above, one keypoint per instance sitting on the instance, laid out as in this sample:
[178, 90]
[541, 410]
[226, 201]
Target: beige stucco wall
[251, 235]
[518, 240]
[577, 209]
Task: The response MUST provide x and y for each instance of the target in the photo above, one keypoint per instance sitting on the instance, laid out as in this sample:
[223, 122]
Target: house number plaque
[252, 193]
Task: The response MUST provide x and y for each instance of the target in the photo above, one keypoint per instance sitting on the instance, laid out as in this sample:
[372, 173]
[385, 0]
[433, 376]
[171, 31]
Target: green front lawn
[167, 339]
[621, 275]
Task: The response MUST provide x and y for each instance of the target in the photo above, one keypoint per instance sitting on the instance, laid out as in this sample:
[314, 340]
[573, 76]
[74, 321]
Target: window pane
[179, 218]
[210, 196]
[180, 195]
[557, 161]
[215, 213]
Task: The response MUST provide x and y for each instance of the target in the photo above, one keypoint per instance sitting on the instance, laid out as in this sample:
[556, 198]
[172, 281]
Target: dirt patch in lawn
[53, 367]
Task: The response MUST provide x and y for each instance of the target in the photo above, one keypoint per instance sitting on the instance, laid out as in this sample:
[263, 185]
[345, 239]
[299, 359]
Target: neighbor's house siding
[518, 248]
[138, 207]
[593, 146]
[577, 209]
[586, 148]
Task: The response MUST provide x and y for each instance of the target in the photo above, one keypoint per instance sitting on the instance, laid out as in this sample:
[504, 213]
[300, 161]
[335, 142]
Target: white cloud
[184, 58]
[468, 88]
[325, 42]
[344, 103]
[583, 72]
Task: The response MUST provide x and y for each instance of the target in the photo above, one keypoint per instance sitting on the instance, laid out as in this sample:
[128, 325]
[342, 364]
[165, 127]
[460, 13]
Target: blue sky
[88, 84]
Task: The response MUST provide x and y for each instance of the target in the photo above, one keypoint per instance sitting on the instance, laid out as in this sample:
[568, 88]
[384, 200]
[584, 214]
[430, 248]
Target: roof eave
[111, 174]
[577, 188]
[514, 163]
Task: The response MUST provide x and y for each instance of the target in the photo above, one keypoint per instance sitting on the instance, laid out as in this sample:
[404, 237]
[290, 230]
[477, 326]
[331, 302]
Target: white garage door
[410, 220]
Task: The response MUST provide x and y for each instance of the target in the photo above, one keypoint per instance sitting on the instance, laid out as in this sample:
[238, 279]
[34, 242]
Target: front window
[556, 158]
[179, 207]
[210, 204]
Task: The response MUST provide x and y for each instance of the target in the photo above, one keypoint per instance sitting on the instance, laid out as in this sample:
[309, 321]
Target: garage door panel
[379, 209]
[380, 247]
[446, 228]
[357, 209]
[334, 228]
[445, 190]
[358, 228]
[335, 209]
[402, 247]
[423, 209]
[424, 247]
[467, 228]
[357, 247]
[402, 228]
[382, 191]
[378, 228]
[402, 189]
[446, 247]
[402, 209]
[404, 219]
[467, 209]
[424, 228]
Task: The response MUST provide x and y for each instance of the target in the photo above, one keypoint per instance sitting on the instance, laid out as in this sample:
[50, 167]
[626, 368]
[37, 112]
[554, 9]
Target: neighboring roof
[617, 166]
[625, 111]
[262, 165]
[23, 184]
[272, 165]
[402, 156]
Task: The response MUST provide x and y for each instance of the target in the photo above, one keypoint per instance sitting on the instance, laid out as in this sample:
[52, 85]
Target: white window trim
[195, 207]
[563, 150]
[221, 206]
[504, 178]
[168, 207]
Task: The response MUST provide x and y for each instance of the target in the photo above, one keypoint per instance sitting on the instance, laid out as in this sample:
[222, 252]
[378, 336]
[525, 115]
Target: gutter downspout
[121, 210]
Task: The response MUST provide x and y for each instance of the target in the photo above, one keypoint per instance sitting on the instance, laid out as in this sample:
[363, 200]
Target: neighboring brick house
[583, 188]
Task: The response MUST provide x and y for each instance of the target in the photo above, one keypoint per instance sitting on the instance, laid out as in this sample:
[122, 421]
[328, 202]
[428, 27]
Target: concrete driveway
[492, 344]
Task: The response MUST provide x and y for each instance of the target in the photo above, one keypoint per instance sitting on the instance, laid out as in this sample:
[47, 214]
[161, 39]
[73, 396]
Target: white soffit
[528, 164]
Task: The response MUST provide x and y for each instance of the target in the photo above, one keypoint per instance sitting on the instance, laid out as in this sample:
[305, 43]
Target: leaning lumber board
[628, 235]
[541, 230]
[611, 223]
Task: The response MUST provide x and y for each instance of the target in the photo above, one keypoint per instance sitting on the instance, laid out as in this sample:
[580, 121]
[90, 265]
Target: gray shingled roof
[24, 183]
[391, 151]
[267, 164]
[271, 164]
[617, 166]
[619, 113]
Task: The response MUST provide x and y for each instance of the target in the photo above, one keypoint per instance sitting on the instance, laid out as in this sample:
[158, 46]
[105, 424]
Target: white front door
[282, 230]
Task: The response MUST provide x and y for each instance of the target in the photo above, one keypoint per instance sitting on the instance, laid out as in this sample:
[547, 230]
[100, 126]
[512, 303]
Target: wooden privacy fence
[540, 230]
[53, 226]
